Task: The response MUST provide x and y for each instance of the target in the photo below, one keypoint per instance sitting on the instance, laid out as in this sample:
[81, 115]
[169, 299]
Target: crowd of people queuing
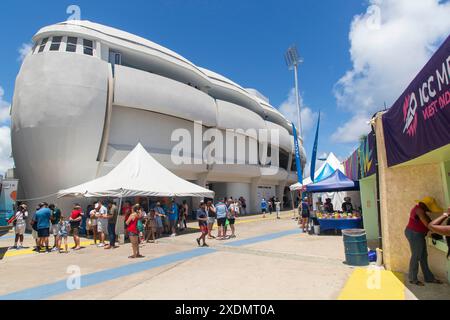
[140, 223]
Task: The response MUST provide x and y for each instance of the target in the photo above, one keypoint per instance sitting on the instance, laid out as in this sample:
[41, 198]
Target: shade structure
[326, 169]
[139, 174]
[335, 183]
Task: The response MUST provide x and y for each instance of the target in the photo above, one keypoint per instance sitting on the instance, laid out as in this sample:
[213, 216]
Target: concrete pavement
[270, 259]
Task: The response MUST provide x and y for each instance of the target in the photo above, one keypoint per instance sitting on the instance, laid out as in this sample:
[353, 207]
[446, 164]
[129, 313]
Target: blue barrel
[355, 243]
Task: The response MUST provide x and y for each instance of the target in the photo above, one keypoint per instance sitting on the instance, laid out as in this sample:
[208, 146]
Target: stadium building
[87, 94]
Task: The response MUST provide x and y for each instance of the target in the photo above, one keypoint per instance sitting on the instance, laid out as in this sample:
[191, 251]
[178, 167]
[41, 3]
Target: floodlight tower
[293, 60]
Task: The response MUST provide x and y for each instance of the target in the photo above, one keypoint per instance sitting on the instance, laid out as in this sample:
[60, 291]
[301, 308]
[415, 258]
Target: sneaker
[205, 245]
[55, 249]
[198, 241]
[101, 245]
[173, 235]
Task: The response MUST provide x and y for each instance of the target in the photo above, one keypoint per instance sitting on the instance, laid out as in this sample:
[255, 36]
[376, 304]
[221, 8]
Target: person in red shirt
[131, 221]
[75, 221]
[416, 232]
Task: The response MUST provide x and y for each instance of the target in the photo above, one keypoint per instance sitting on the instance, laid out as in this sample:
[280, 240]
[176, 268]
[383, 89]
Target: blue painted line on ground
[266, 237]
[60, 287]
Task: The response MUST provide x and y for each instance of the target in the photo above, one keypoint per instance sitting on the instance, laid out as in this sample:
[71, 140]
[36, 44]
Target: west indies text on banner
[419, 122]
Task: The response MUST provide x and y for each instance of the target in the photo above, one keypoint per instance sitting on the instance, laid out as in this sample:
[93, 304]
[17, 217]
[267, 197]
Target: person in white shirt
[19, 225]
[278, 207]
[102, 222]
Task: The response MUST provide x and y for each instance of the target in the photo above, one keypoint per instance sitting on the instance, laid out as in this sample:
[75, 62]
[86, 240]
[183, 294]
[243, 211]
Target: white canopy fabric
[139, 174]
[332, 160]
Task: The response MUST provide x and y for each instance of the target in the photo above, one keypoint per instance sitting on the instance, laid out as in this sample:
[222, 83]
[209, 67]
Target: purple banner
[419, 121]
[351, 166]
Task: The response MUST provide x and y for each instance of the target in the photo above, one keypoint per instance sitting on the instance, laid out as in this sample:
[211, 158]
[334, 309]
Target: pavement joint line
[46, 291]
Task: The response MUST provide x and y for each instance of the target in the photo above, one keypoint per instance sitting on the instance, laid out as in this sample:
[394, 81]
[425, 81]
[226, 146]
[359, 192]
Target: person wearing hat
[416, 231]
[347, 206]
[19, 221]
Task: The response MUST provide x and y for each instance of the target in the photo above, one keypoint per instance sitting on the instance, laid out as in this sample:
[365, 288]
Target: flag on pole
[314, 152]
[297, 156]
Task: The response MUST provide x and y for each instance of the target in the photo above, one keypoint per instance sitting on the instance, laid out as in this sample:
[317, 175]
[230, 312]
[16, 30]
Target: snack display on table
[338, 215]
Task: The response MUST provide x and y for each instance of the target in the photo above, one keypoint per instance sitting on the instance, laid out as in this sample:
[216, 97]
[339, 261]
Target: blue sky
[246, 40]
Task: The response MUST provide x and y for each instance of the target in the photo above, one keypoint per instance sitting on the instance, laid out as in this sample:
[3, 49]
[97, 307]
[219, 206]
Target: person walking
[131, 221]
[277, 207]
[56, 215]
[112, 215]
[416, 232]
[264, 207]
[19, 222]
[102, 223]
[42, 218]
[211, 211]
[202, 218]
[221, 214]
[75, 222]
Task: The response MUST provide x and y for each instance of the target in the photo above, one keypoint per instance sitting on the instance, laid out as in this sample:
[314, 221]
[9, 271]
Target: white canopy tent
[332, 161]
[139, 174]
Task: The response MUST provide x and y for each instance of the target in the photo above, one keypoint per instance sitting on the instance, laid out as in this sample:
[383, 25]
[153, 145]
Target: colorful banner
[314, 152]
[351, 166]
[8, 196]
[419, 121]
[367, 156]
[297, 155]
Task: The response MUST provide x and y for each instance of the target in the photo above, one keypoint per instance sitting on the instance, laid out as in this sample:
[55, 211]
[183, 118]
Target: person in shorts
[264, 207]
[42, 218]
[93, 222]
[19, 221]
[56, 215]
[232, 214]
[63, 229]
[102, 222]
[202, 218]
[211, 211]
[221, 214]
[151, 227]
[75, 222]
[305, 214]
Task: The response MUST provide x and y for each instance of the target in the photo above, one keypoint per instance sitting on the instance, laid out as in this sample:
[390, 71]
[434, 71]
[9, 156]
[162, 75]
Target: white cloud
[289, 109]
[6, 161]
[390, 43]
[24, 50]
[4, 108]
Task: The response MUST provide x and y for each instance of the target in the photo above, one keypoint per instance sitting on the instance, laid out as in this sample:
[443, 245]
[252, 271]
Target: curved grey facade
[87, 94]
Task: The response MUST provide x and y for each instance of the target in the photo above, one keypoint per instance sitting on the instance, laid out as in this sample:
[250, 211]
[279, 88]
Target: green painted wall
[369, 205]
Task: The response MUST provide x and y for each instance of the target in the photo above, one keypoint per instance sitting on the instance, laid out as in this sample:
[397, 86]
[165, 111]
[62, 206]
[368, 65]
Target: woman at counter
[416, 232]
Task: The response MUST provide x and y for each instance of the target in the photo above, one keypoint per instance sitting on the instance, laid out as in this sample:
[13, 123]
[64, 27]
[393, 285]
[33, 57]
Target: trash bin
[355, 243]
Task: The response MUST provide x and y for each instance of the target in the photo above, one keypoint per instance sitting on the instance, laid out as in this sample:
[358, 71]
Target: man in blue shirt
[42, 218]
[264, 207]
[221, 214]
[173, 217]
